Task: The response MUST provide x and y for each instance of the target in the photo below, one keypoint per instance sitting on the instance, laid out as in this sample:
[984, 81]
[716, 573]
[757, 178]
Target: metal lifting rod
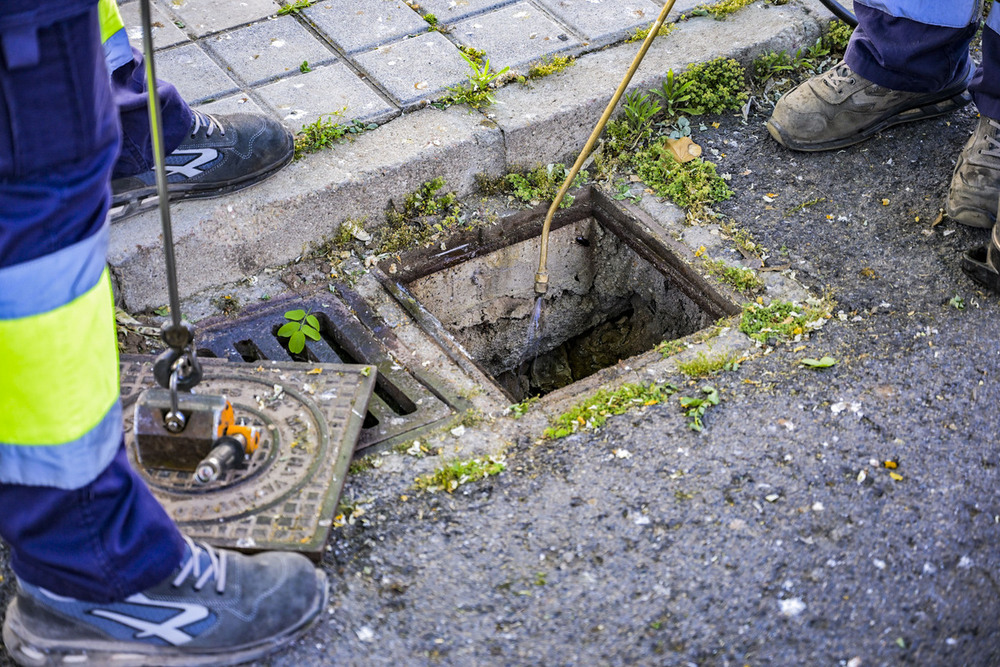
[542, 277]
[177, 369]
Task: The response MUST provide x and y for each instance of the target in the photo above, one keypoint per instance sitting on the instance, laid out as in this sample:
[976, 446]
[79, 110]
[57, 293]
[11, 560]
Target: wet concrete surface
[776, 536]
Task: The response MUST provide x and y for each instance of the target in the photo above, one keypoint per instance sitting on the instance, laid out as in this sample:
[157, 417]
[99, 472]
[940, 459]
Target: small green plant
[432, 20]
[325, 132]
[957, 302]
[674, 94]
[226, 303]
[838, 35]
[682, 128]
[456, 473]
[518, 410]
[640, 110]
[300, 324]
[824, 362]
[745, 241]
[549, 65]
[304, 67]
[741, 278]
[669, 348]
[361, 465]
[781, 319]
[294, 7]
[541, 184]
[594, 412]
[478, 89]
[695, 407]
[724, 8]
[703, 366]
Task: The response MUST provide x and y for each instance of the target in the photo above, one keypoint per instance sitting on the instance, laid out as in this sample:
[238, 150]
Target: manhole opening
[615, 291]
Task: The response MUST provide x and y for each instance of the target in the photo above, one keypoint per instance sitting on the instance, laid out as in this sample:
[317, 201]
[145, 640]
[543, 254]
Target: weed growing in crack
[692, 185]
[783, 319]
[549, 65]
[594, 412]
[325, 132]
[696, 406]
[703, 366]
[477, 92]
[294, 7]
[300, 324]
[641, 34]
[741, 278]
[424, 214]
[456, 473]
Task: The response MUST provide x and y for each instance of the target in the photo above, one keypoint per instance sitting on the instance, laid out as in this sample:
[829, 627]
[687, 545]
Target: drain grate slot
[400, 404]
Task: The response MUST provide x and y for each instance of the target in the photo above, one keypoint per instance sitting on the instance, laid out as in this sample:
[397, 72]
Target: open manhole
[406, 401]
[616, 289]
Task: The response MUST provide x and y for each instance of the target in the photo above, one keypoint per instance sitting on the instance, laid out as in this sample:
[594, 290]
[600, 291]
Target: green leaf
[309, 331]
[825, 362]
[295, 314]
[297, 342]
[287, 329]
[313, 322]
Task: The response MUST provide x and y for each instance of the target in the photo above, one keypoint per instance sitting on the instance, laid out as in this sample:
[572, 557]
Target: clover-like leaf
[297, 342]
[825, 362]
[295, 315]
[312, 333]
[312, 321]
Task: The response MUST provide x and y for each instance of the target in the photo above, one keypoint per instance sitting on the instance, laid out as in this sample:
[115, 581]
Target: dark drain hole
[249, 351]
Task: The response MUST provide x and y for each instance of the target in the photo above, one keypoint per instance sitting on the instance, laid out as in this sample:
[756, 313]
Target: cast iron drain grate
[287, 495]
[404, 401]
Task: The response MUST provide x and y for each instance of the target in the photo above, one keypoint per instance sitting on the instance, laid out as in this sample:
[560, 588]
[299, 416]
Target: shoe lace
[991, 138]
[840, 74]
[216, 567]
[208, 121]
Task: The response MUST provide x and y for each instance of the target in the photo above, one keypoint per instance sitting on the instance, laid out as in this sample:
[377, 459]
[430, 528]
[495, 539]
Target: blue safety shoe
[221, 154]
[218, 608]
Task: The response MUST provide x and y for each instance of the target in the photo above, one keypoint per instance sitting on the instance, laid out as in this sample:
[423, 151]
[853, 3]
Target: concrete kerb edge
[225, 240]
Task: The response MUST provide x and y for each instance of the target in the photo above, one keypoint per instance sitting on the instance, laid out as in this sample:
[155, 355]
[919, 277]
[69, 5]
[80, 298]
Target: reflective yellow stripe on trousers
[59, 370]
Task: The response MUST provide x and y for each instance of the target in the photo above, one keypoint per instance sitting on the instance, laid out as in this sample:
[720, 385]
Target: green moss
[838, 34]
[361, 465]
[703, 366]
[689, 184]
[549, 65]
[741, 278]
[716, 86]
[541, 184]
[781, 319]
[456, 473]
[424, 214]
[518, 410]
[594, 412]
[642, 33]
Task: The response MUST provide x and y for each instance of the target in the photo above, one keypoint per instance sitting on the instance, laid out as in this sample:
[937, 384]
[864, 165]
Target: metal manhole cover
[287, 495]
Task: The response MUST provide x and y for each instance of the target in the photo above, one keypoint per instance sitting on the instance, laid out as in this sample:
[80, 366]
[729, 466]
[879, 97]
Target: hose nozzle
[541, 283]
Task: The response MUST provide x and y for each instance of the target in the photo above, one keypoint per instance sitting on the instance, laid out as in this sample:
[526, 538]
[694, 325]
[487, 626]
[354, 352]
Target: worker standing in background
[103, 574]
[909, 60]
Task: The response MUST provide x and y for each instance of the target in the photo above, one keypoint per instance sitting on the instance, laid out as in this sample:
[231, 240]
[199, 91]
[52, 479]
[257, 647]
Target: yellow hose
[542, 277]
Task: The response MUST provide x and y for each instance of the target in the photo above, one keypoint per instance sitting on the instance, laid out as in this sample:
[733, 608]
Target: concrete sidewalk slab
[604, 22]
[514, 35]
[365, 24]
[416, 68]
[196, 76]
[203, 17]
[268, 50]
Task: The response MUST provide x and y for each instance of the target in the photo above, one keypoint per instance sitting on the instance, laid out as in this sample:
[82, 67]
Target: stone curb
[231, 238]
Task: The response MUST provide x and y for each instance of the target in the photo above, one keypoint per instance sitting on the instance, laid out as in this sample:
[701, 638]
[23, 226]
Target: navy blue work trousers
[59, 140]
[903, 54]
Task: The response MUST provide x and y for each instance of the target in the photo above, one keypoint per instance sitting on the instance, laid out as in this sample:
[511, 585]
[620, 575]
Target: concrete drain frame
[630, 227]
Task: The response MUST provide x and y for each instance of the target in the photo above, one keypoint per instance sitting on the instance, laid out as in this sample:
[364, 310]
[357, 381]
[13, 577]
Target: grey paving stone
[201, 17]
[604, 21]
[514, 35]
[238, 103]
[165, 31]
[196, 76]
[417, 68]
[267, 50]
[365, 24]
[301, 99]
[449, 11]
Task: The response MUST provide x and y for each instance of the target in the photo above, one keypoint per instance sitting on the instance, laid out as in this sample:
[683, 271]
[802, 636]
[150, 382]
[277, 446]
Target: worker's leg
[103, 574]
[906, 61]
[76, 517]
[975, 184]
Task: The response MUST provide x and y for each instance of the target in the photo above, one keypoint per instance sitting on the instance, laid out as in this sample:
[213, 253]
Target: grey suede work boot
[222, 153]
[840, 108]
[975, 184]
[218, 608]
